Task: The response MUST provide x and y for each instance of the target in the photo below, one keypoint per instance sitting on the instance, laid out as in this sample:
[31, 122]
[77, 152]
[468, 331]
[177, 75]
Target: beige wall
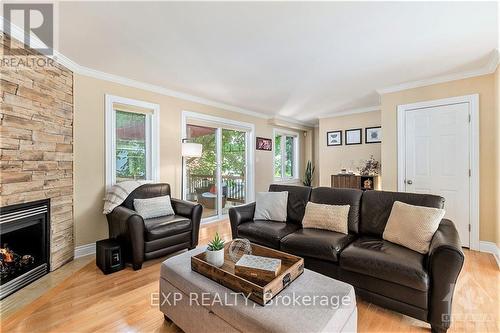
[316, 144]
[482, 85]
[89, 148]
[497, 133]
[334, 158]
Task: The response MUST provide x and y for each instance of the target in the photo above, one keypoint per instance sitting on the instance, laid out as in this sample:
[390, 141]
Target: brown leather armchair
[143, 239]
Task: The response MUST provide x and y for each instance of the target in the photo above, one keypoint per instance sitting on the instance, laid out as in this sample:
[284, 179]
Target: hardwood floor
[88, 301]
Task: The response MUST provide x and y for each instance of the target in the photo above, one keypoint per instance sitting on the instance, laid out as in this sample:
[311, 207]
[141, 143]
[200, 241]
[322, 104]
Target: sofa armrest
[239, 215]
[128, 227]
[444, 263]
[192, 211]
[118, 221]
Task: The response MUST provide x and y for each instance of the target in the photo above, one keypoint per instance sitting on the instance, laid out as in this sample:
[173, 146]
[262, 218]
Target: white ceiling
[298, 60]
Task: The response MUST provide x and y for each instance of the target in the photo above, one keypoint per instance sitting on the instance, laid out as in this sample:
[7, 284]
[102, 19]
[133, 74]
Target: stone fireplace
[36, 142]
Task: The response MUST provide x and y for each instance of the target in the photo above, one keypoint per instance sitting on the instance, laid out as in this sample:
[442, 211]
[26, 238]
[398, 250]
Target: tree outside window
[285, 159]
[130, 146]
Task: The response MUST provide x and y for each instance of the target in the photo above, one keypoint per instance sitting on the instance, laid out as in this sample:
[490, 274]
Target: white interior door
[437, 159]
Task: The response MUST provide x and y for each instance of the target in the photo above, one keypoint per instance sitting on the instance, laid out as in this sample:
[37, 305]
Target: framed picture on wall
[353, 136]
[373, 134]
[264, 144]
[334, 138]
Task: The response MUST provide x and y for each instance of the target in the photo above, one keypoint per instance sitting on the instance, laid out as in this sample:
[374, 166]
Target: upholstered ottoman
[311, 303]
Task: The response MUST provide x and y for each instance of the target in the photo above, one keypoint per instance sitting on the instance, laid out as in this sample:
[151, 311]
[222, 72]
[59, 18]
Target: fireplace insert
[24, 244]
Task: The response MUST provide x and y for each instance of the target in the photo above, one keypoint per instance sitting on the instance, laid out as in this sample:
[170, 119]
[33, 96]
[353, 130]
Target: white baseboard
[490, 247]
[84, 250]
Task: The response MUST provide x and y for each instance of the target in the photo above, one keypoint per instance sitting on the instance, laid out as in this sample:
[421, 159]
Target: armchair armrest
[445, 261]
[239, 215]
[193, 212]
[128, 227]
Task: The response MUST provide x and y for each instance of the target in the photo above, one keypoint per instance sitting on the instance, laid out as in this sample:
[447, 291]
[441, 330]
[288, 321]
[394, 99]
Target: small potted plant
[308, 174]
[215, 251]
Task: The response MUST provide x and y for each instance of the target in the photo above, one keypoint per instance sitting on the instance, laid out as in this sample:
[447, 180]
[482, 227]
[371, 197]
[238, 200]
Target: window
[131, 140]
[285, 155]
[130, 149]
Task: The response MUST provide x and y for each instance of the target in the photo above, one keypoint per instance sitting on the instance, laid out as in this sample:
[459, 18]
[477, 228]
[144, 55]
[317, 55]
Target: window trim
[152, 137]
[296, 135]
[220, 122]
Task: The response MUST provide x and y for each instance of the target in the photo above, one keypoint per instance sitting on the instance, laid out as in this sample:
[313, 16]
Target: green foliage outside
[277, 156]
[233, 154]
[130, 153]
[288, 158]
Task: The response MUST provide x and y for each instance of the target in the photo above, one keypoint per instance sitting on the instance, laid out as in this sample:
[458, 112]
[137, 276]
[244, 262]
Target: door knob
[409, 182]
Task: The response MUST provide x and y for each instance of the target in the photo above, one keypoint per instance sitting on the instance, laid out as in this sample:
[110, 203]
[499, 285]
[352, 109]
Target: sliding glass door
[233, 168]
[218, 179]
[201, 173]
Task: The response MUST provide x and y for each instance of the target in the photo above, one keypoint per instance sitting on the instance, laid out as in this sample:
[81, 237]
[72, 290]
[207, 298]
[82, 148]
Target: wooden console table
[353, 181]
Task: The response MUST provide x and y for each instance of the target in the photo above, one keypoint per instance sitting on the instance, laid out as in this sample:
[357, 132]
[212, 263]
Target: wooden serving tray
[262, 290]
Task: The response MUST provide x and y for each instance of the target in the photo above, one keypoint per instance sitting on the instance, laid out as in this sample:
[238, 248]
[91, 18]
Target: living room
[354, 145]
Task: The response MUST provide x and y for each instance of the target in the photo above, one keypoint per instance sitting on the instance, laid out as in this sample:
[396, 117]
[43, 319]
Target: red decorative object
[264, 144]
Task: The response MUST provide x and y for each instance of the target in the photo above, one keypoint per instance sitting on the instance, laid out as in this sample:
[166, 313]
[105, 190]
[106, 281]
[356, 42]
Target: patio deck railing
[234, 186]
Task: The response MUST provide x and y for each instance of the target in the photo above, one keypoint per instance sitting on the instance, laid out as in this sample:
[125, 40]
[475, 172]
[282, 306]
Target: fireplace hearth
[24, 244]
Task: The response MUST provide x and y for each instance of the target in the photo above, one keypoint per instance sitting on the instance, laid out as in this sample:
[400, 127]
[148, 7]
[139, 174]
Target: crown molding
[291, 122]
[86, 71]
[489, 68]
[372, 108]
[18, 33]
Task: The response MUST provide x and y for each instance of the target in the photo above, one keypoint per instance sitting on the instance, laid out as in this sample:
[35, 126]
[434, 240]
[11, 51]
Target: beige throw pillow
[328, 217]
[412, 226]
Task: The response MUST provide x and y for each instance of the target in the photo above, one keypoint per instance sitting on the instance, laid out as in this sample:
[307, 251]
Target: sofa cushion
[316, 243]
[386, 261]
[271, 206]
[412, 226]
[164, 226]
[167, 242]
[340, 196]
[387, 293]
[326, 217]
[298, 196]
[376, 207]
[267, 233]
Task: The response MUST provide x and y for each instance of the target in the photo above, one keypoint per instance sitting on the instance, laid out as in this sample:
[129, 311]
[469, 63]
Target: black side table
[109, 256]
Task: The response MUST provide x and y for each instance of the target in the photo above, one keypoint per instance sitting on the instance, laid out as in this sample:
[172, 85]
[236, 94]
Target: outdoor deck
[201, 189]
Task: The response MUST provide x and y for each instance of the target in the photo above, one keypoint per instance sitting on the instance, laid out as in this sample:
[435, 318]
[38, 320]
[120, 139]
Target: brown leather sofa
[143, 239]
[382, 272]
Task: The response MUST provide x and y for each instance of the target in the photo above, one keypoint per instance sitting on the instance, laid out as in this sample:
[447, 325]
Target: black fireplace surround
[24, 244]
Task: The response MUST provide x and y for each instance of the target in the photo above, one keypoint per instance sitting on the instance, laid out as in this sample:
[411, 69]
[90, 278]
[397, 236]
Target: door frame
[219, 122]
[473, 101]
